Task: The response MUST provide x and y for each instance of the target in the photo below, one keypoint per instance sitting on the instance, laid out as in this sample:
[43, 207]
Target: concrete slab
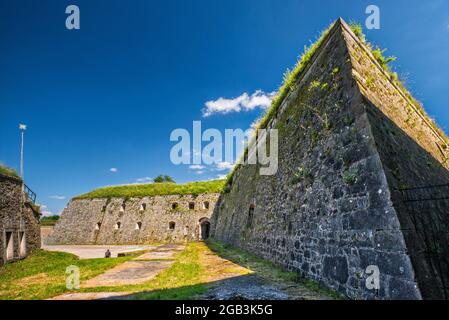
[129, 273]
[97, 251]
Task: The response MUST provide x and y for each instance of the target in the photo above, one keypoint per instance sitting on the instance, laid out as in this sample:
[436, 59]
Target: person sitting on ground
[107, 254]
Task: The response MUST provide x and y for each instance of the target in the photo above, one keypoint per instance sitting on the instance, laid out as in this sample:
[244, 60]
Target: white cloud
[244, 102]
[199, 172]
[56, 197]
[221, 176]
[144, 180]
[220, 166]
[114, 170]
[47, 213]
[196, 167]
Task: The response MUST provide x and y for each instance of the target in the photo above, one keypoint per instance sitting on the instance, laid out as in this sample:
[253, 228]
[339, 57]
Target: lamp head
[22, 127]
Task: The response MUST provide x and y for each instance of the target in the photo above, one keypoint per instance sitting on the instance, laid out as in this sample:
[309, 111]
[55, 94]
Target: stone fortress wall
[170, 218]
[351, 145]
[19, 223]
[355, 157]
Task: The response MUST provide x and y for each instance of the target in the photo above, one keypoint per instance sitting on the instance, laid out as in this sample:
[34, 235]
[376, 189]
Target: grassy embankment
[49, 221]
[155, 189]
[42, 274]
[8, 171]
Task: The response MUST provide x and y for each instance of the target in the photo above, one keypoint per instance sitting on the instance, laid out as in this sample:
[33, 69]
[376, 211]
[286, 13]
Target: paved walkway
[96, 251]
[137, 271]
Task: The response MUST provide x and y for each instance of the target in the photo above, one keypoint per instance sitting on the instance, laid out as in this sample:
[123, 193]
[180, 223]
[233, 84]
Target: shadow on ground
[265, 282]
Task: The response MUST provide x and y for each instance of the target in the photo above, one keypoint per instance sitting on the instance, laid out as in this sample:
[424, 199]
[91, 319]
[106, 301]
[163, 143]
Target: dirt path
[223, 279]
[137, 271]
[230, 281]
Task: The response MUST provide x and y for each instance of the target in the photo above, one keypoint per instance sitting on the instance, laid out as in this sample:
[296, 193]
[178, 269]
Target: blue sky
[109, 95]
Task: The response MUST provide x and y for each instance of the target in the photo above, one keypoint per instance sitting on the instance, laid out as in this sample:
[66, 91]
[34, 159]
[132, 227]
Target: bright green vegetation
[163, 178]
[191, 273]
[42, 274]
[291, 77]
[300, 174]
[49, 221]
[182, 280]
[288, 85]
[8, 171]
[384, 62]
[155, 189]
[267, 269]
[349, 176]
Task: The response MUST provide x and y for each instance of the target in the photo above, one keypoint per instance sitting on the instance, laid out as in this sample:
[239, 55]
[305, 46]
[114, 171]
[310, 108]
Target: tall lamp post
[22, 128]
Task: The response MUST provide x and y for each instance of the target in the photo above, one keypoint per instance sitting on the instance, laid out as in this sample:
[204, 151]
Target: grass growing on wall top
[384, 62]
[291, 77]
[288, 85]
[8, 171]
[155, 189]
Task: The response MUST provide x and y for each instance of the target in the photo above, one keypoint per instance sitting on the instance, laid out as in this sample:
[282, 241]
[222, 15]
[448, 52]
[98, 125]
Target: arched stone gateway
[204, 228]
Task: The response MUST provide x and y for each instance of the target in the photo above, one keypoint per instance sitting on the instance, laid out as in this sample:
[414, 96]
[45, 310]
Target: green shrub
[49, 221]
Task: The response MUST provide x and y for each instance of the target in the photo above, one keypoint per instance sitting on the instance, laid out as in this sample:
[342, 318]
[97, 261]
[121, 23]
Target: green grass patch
[42, 275]
[8, 171]
[155, 189]
[384, 62]
[182, 280]
[49, 221]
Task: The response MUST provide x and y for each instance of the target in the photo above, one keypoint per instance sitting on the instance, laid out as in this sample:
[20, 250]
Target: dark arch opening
[204, 228]
[249, 221]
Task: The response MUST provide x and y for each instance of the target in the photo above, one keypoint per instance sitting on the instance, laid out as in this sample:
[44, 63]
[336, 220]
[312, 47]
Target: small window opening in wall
[206, 205]
[138, 225]
[191, 205]
[23, 244]
[249, 221]
[117, 226]
[9, 246]
[143, 207]
[174, 205]
[171, 225]
[97, 226]
[122, 208]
